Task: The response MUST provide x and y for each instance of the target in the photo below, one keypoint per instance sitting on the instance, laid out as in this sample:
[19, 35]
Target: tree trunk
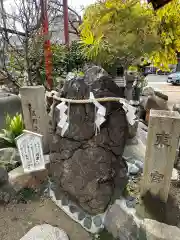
[178, 62]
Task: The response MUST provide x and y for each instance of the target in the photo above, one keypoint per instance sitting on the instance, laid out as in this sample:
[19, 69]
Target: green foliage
[14, 127]
[74, 59]
[67, 59]
[64, 60]
[27, 194]
[58, 59]
[168, 28]
[128, 30]
[116, 29]
[132, 68]
[15, 62]
[78, 73]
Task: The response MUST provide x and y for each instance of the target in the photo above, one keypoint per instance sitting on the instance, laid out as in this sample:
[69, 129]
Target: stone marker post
[34, 111]
[162, 141]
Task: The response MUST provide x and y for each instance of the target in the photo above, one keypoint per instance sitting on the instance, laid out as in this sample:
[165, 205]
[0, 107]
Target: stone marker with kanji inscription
[162, 141]
[31, 153]
[34, 111]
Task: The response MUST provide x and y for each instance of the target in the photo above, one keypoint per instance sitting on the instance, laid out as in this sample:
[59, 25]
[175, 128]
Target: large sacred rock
[86, 166]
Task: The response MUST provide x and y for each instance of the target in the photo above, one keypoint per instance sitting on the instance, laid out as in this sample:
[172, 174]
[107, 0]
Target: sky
[76, 4]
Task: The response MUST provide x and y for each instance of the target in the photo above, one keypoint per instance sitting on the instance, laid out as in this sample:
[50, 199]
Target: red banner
[47, 46]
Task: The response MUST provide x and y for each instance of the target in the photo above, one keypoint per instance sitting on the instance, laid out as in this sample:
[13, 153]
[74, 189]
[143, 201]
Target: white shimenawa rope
[83, 101]
[90, 100]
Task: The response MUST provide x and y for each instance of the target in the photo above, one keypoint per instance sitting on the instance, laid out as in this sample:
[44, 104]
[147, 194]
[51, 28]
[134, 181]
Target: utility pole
[66, 22]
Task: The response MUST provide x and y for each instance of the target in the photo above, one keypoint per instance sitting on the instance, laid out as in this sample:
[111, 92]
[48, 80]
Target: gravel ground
[17, 220]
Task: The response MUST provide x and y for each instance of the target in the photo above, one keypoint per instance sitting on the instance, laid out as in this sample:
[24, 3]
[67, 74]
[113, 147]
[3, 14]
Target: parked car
[174, 78]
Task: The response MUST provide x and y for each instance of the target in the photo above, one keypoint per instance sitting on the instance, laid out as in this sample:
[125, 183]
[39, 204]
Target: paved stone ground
[173, 93]
[160, 83]
[17, 220]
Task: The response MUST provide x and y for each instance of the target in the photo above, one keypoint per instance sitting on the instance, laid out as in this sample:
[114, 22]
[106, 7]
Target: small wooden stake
[162, 142]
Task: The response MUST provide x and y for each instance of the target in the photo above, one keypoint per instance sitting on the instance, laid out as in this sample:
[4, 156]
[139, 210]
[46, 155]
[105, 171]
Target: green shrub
[65, 60]
[14, 127]
[133, 68]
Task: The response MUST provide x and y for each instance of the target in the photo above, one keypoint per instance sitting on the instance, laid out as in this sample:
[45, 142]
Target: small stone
[9, 157]
[132, 168]
[73, 209]
[53, 186]
[161, 95]
[46, 191]
[87, 222]
[131, 204]
[65, 201]
[81, 216]
[132, 141]
[45, 231]
[20, 180]
[6, 197]
[142, 126]
[130, 198]
[3, 175]
[142, 234]
[154, 102]
[176, 107]
[97, 221]
[175, 175]
[148, 91]
[139, 164]
[7, 193]
[157, 230]
[129, 159]
[178, 164]
[177, 159]
[120, 222]
[46, 158]
[136, 152]
[96, 236]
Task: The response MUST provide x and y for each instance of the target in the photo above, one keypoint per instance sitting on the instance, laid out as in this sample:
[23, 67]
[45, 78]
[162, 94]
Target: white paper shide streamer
[130, 112]
[100, 113]
[63, 122]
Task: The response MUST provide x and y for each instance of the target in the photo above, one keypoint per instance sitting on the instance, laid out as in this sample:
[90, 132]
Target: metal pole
[66, 22]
